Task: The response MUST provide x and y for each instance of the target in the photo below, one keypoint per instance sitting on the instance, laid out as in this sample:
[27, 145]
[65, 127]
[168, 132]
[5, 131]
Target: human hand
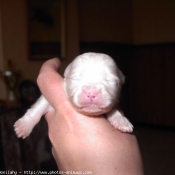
[85, 143]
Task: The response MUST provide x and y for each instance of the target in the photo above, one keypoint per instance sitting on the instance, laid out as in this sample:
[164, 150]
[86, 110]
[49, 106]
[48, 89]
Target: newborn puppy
[92, 83]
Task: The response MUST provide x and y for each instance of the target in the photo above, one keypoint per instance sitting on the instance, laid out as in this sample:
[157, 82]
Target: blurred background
[139, 35]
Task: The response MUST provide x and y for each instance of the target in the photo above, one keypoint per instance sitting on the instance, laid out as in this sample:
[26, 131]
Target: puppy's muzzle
[90, 95]
[91, 92]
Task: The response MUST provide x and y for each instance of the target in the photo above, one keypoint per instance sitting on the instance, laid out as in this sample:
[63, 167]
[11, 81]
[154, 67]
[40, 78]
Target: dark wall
[153, 84]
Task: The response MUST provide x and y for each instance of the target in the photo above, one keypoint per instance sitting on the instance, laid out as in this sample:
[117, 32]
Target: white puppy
[92, 84]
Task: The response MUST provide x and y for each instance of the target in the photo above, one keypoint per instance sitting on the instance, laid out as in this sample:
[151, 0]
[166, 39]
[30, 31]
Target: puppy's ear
[67, 70]
[121, 76]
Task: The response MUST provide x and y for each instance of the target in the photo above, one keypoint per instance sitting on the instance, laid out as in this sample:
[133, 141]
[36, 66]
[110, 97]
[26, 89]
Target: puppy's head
[92, 83]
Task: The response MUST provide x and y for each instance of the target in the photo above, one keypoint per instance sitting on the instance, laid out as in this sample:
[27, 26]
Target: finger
[51, 83]
[49, 116]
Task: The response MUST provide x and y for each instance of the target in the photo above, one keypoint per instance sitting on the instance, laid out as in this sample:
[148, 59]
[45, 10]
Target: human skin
[85, 143]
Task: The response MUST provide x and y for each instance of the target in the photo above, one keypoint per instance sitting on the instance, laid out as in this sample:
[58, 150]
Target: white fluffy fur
[92, 84]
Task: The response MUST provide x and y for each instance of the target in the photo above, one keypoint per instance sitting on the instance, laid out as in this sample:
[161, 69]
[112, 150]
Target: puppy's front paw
[120, 122]
[22, 128]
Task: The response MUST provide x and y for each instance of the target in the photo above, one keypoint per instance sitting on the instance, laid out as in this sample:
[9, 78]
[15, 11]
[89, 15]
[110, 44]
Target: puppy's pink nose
[91, 92]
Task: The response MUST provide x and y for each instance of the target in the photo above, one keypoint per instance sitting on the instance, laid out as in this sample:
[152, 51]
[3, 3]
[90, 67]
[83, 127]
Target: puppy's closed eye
[111, 80]
[72, 78]
[75, 79]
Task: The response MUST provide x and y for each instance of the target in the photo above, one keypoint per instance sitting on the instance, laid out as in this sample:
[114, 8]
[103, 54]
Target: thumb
[49, 116]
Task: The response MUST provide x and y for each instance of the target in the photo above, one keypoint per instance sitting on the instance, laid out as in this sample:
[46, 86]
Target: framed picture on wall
[46, 29]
